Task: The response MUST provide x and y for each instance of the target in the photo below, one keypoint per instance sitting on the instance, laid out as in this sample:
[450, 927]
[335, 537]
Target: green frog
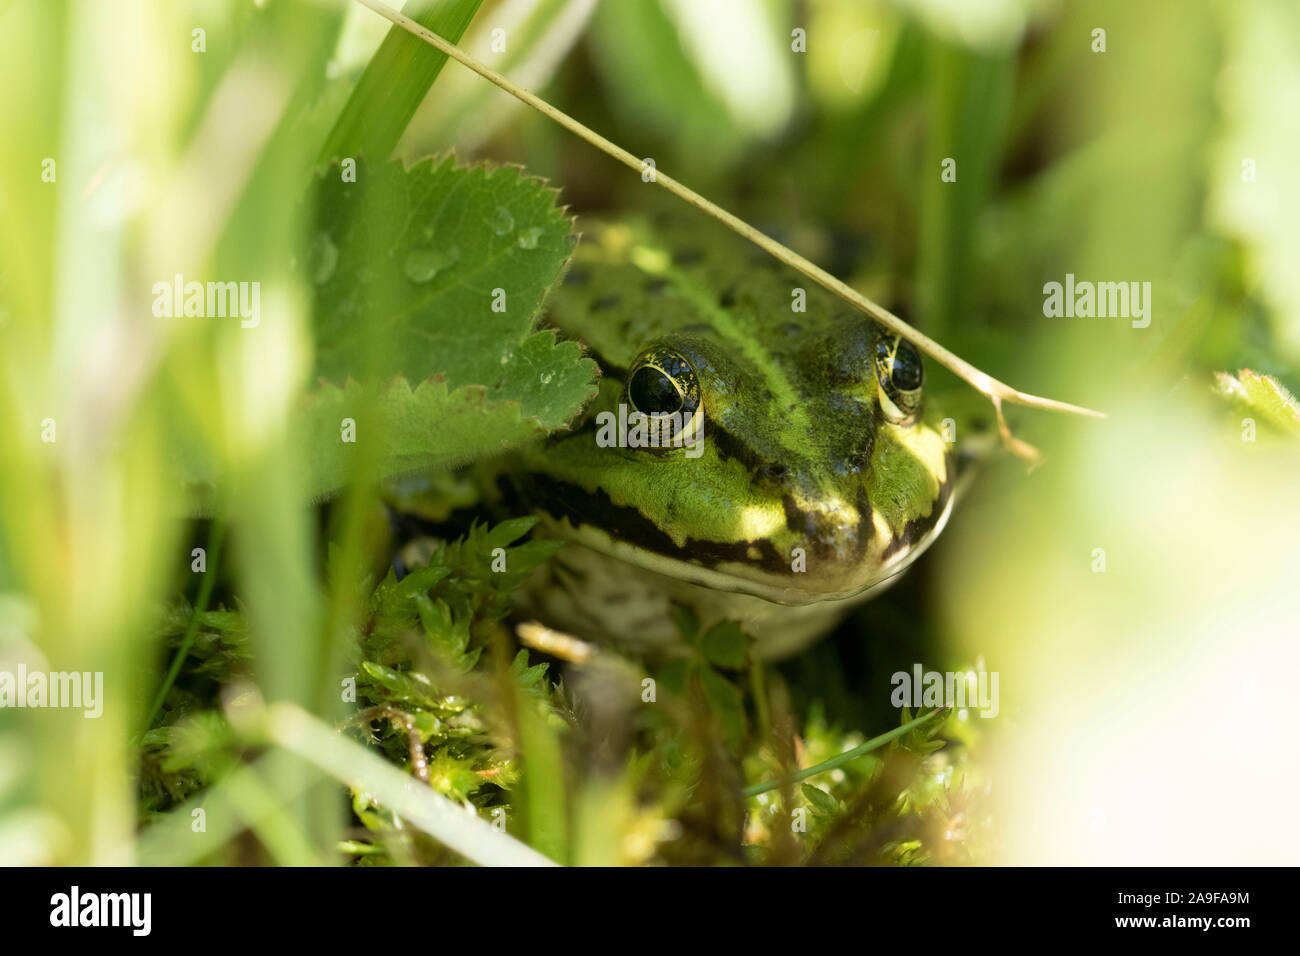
[784, 468]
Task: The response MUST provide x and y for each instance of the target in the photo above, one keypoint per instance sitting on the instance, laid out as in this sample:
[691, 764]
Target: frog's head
[800, 466]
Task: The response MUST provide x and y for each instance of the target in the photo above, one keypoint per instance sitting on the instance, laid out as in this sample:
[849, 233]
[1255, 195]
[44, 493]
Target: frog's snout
[830, 529]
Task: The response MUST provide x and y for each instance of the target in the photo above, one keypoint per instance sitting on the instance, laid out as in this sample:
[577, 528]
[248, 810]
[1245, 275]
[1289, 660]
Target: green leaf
[441, 270]
[726, 645]
[686, 621]
[924, 739]
[821, 801]
[405, 270]
[404, 429]
[725, 700]
[507, 532]
[452, 777]
[673, 674]
[1263, 395]
[449, 635]
[397, 684]
[525, 675]
[420, 579]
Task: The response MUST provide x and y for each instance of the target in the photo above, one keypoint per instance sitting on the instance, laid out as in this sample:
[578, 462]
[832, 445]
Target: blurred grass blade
[463, 112]
[229, 807]
[474, 838]
[395, 82]
[969, 100]
[545, 800]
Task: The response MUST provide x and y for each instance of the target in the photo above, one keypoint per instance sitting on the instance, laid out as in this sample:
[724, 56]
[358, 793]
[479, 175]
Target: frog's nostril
[775, 470]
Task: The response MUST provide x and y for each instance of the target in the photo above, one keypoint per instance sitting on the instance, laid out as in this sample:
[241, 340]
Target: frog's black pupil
[653, 392]
[907, 371]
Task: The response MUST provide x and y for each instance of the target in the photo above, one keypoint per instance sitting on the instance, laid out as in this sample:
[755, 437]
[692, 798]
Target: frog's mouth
[761, 567]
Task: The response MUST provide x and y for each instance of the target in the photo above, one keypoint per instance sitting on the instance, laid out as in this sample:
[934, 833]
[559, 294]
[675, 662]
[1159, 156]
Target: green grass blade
[875, 743]
[395, 81]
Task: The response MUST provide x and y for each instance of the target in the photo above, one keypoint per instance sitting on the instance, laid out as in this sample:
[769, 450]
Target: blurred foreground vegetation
[1139, 701]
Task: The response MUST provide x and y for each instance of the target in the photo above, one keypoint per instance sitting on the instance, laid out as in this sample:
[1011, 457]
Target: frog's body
[811, 478]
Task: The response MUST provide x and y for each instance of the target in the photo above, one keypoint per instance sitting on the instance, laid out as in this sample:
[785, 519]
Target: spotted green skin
[799, 457]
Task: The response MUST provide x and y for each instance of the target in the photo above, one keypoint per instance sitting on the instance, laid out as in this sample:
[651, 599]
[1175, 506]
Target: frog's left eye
[664, 386]
[901, 374]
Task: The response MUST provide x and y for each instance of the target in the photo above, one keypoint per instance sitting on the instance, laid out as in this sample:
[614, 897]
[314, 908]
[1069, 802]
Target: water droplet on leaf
[423, 263]
[504, 223]
[322, 258]
[528, 238]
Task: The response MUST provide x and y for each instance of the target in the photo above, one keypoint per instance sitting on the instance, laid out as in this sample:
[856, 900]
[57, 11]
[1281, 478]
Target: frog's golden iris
[662, 384]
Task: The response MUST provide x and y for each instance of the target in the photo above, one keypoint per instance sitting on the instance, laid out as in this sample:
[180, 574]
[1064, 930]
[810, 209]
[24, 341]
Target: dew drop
[504, 223]
[423, 263]
[528, 238]
[322, 258]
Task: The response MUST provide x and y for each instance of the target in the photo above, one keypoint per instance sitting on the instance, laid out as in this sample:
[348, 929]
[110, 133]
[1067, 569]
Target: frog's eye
[653, 391]
[901, 374]
[664, 386]
[661, 382]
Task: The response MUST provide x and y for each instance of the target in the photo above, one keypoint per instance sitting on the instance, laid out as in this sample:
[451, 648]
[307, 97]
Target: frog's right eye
[662, 382]
[653, 391]
[901, 375]
[662, 385]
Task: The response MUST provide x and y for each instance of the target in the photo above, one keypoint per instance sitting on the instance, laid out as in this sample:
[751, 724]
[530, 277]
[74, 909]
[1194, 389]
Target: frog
[799, 472]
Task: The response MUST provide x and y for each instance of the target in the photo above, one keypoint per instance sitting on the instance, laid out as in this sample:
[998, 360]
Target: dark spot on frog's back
[606, 302]
[576, 277]
[688, 257]
[656, 286]
[728, 297]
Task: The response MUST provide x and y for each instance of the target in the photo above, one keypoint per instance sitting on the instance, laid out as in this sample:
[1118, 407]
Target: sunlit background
[1136, 591]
